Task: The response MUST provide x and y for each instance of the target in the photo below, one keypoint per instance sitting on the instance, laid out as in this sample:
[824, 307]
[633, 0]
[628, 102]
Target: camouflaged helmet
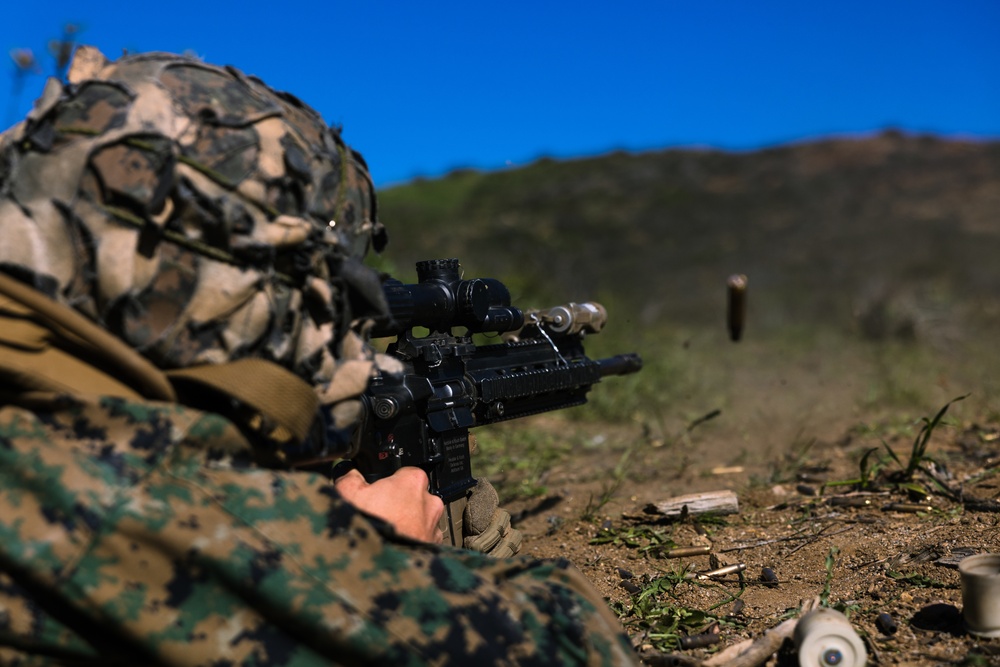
[191, 210]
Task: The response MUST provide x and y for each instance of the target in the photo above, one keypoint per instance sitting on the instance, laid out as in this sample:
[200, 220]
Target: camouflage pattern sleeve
[141, 533]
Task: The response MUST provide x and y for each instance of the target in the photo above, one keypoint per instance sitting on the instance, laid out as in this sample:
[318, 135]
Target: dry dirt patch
[866, 560]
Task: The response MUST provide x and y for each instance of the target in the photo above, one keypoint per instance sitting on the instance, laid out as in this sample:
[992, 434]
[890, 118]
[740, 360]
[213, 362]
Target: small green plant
[646, 539]
[663, 621]
[919, 458]
[872, 467]
[608, 489]
[917, 580]
[594, 505]
[869, 472]
[831, 560]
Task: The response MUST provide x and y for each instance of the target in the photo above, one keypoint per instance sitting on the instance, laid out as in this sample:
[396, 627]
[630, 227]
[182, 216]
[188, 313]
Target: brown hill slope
[893, 233]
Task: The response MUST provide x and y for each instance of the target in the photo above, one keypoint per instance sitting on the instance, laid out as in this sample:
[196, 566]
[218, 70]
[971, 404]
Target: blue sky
[424, 88]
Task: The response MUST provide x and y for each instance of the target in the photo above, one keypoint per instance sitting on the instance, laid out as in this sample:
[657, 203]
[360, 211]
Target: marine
[183, 303]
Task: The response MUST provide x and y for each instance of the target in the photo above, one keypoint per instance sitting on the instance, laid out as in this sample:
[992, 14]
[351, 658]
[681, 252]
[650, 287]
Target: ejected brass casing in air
[737, 311]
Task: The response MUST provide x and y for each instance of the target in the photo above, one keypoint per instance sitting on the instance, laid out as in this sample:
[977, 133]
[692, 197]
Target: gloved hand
[486, 527]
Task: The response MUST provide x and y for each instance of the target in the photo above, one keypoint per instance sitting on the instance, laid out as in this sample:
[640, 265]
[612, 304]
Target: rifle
[449, 385]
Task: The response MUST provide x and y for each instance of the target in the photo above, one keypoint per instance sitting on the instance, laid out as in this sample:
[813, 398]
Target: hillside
[905, 227]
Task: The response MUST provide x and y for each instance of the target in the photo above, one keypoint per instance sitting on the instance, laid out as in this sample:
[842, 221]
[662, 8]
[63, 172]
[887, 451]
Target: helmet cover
[195, 213]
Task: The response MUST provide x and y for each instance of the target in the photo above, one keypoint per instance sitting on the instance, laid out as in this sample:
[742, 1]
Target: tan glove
[486, 527]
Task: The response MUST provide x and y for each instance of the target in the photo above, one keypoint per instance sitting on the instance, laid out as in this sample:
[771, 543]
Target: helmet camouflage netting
[191, 210]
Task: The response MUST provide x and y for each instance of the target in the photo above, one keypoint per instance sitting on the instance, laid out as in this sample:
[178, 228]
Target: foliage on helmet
[193, 211]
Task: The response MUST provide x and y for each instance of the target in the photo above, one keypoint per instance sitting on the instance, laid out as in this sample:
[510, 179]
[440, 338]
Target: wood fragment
[717, 502]
[820, 535]
[754, 652]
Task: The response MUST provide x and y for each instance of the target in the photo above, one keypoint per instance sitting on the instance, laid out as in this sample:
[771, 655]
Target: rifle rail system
[422, 416]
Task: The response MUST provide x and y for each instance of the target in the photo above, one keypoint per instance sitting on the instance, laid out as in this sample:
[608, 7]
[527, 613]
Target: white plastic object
[980, 578]
[824, 638]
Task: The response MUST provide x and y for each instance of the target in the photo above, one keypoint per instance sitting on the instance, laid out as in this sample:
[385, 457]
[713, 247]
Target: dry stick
[788, 538]
[816, 539]
[868, 564]
[753, 652]
[763, 543]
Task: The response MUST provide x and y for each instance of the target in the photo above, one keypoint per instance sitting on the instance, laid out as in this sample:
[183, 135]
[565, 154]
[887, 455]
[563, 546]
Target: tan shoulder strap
[70, 337]
[272, 390]
[46, 346]
[30, 362]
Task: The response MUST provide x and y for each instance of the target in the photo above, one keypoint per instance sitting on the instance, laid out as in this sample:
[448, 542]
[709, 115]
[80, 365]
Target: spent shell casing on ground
[737, 311]
[737, 608]
[629, 586]
[720, 572]
[699, 641]
[681, 552]
[850, 501]
[910, 508]
[768, 577]
[885, 624]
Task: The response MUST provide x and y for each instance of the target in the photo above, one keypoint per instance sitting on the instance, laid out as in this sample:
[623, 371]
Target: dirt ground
[857, 555]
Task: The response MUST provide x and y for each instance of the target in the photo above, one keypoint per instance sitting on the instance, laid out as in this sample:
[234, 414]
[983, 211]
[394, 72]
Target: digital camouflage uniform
[160, 217]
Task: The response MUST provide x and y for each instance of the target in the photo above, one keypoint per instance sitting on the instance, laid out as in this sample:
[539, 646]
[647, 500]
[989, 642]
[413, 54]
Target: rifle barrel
[620, 364]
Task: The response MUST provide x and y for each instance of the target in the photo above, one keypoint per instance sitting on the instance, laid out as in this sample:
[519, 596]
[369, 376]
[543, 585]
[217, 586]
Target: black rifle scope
[441, 299]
